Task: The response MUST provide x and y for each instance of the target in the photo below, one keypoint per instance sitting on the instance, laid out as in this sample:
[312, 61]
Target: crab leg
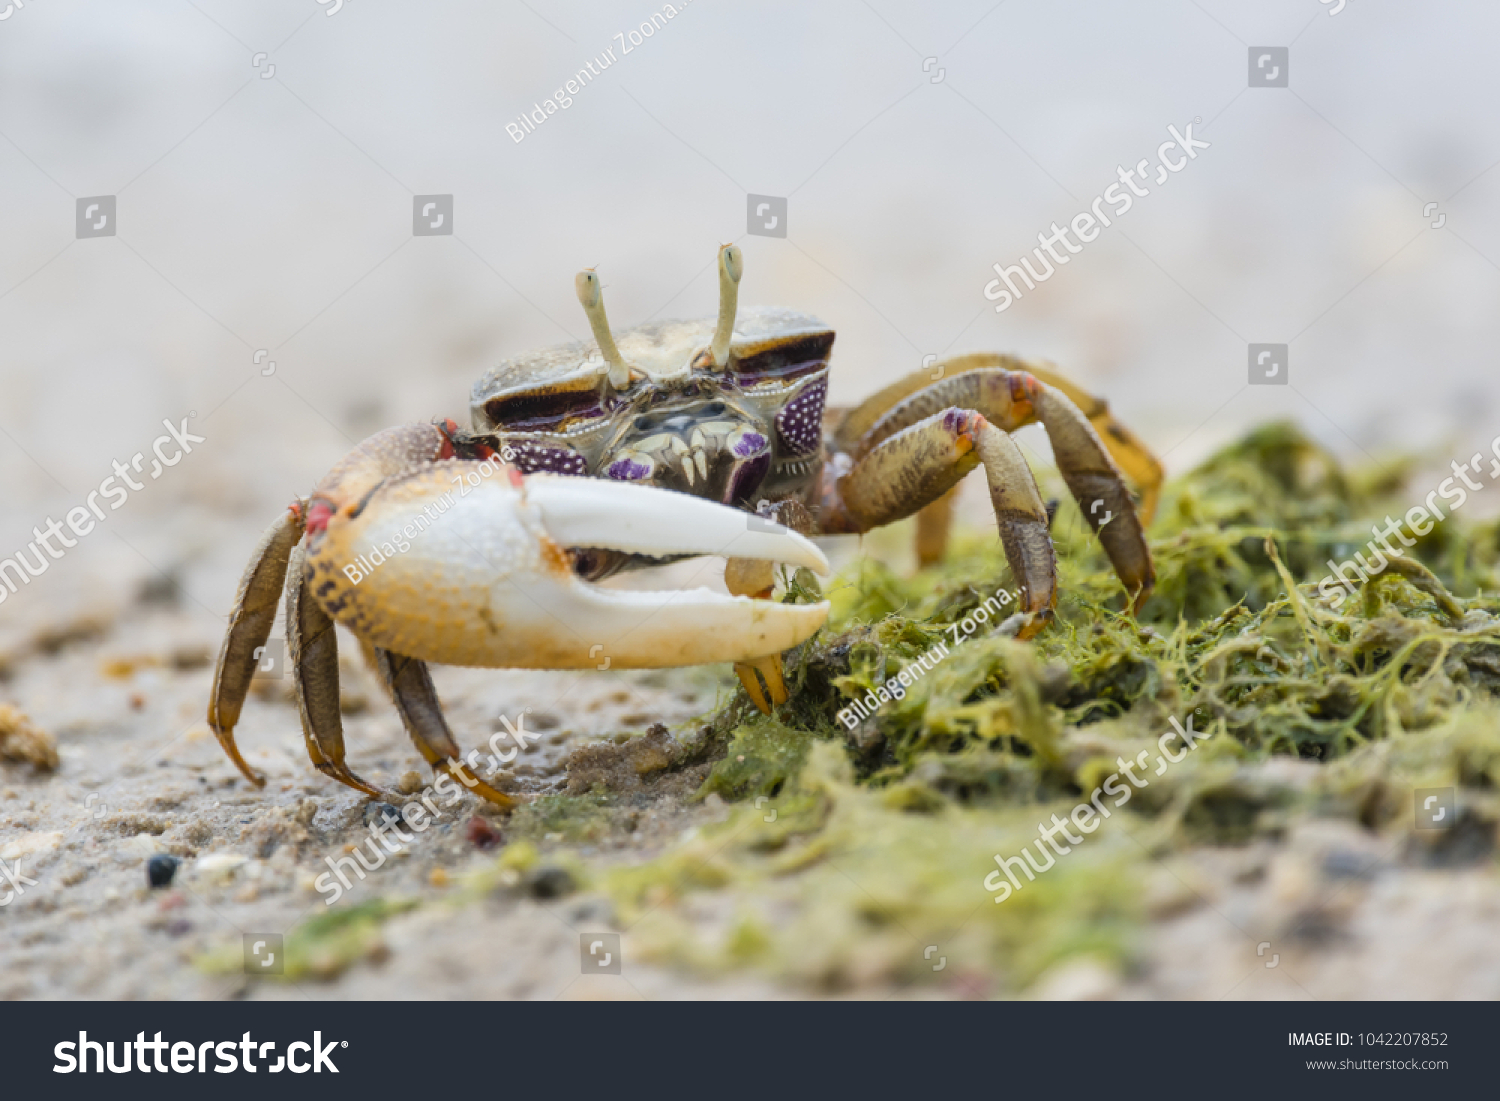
[249, 626]
[417, 703]
[313, 651]
[1128, 452]
[1099, 489]
[917, 465]
[933, 522]
[1011, 399]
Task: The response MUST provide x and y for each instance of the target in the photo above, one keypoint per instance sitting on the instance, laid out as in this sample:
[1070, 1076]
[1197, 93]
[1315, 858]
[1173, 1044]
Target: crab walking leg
[933, 522]
[312, 649]
[1128, 452]
[250, 623]
[417, 703]
[1099, 489]
[919, 464]
[1014, 398]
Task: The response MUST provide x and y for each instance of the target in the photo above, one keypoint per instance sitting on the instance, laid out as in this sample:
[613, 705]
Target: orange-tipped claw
[770, 668]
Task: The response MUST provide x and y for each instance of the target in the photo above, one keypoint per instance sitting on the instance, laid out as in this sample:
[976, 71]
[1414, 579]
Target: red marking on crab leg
[965, 424]
[1023, 388]
[447, 429]
[318, 514]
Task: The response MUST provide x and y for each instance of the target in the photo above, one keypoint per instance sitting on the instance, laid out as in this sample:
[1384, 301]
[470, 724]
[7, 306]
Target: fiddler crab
[667, 441]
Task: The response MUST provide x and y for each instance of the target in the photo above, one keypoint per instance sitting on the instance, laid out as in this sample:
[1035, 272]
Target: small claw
[489, 581]
[768, 667]
[757, 695]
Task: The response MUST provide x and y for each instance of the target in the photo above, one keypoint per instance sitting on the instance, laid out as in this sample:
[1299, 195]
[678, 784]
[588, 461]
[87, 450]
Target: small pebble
[192, 654]
[481, 834]
[410, 783]
[374, 812]
[23, 740]
[160, 869]
[1343, 864]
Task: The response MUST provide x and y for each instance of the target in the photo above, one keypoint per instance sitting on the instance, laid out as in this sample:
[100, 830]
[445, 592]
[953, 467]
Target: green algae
[762, 756]
[840, 890]
[884, 833]
[323, 946]
[574, 818]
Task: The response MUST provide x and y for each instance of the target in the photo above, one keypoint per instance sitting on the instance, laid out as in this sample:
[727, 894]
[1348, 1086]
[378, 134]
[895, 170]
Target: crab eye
[785, 361]
[542, 409]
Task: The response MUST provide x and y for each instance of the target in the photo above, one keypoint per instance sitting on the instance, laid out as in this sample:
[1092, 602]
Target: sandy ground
[1335, 911]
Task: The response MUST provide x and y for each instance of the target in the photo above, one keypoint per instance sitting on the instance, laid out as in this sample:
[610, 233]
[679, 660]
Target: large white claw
[588, 512]
[487, 582]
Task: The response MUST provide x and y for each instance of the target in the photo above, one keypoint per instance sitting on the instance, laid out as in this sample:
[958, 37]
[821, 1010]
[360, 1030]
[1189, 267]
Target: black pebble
[375, 811]
[551, 882]
[161, 869]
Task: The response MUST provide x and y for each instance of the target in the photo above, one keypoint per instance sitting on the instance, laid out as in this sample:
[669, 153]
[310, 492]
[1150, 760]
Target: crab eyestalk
[731, 267]
[592, 297]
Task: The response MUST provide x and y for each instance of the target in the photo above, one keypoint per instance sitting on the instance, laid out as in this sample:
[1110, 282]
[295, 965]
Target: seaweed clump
[887, 825]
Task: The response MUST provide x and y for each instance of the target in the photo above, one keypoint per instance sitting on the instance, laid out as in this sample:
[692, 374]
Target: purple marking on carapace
[800, 421]
[536, 458]
[627, 470]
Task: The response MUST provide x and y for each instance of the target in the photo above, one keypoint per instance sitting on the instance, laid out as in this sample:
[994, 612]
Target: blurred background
[261, 275]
